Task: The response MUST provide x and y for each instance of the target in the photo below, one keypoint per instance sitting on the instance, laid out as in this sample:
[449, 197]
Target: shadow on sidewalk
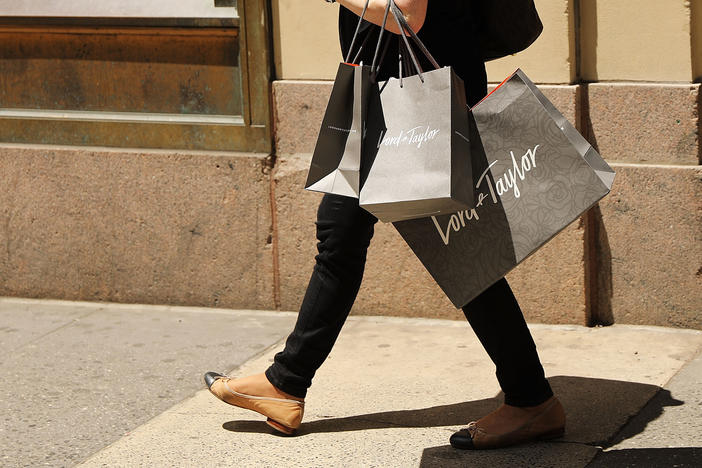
[557, 455]
[650, 458]
[597, 410]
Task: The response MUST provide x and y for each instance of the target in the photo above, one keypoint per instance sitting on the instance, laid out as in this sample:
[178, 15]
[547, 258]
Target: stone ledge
[298, 109]
[650, 123]
[650, 246]
[654, 123]
[135, 226]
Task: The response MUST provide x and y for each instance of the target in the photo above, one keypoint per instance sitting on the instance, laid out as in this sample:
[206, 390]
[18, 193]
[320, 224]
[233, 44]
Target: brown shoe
[511, 425]
[284, 412]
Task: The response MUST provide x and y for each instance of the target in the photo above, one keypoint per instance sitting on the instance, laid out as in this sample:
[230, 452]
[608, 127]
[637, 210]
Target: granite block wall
[130, 226]
[229, 230]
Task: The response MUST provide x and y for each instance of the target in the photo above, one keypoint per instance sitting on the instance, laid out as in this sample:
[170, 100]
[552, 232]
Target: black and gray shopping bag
[336, 161]
[533, 174]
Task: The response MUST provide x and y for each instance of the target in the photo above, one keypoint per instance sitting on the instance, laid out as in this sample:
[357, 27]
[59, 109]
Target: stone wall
[237, 230]
[154, 227]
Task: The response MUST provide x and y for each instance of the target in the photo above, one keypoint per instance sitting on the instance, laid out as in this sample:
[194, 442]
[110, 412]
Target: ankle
[534, 408]
[273, 379]
[530, 401]
[282, 393]
[259, 385]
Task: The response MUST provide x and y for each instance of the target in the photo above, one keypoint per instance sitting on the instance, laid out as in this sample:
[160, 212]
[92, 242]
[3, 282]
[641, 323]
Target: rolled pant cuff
[280, 383]
[533, 398]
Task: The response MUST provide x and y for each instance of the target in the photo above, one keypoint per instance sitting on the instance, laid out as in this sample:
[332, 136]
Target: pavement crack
[52, 331]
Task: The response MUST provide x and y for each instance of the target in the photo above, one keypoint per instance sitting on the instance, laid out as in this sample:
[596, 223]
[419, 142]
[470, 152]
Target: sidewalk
[390, 395]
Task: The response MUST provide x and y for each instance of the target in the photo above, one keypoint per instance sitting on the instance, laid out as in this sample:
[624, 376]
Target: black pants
[344, 231]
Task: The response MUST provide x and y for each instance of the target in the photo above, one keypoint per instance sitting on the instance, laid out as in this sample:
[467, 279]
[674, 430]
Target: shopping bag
[336, 160]
[505, 27]
[423, 157]
[533, 175]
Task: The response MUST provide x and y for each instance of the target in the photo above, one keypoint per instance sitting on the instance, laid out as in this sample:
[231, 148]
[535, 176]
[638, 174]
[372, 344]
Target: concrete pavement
[390, 394]
[78, 376]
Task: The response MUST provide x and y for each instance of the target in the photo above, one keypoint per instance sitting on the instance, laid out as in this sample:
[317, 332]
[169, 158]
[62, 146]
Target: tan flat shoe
[511, 425]
[284, 414]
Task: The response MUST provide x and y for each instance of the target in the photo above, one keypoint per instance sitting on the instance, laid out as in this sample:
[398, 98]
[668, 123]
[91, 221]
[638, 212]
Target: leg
[499, 324]
[530, 410]
[344, 231]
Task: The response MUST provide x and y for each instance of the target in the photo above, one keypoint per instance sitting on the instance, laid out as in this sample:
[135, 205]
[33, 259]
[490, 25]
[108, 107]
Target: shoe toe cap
[210, 378]
[461, 440]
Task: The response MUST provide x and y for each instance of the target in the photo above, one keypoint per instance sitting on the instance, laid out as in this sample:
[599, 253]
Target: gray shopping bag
[533, 174]
[423, 157]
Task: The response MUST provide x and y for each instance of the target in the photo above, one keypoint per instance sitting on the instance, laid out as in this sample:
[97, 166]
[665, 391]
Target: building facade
[157, 154]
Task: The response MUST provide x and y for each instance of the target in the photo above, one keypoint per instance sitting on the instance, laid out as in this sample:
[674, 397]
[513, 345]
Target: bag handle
[417, 67]
[376, 61]
[405, 28]
[405, 65]
[355, 35]
[380, 39]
